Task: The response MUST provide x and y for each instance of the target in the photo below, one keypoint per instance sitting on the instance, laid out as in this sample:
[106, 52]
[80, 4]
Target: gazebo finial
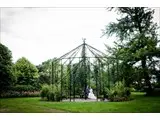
[84, 39]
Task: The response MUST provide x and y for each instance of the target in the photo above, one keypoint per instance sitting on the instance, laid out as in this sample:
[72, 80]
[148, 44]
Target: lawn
[140, 103]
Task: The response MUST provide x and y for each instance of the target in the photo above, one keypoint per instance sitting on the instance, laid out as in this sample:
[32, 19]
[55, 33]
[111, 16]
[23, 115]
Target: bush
[51, 93]
[51, 96]
[57, 92]
[22, 88]
[118, 92]
[132, 89]
[45, 91]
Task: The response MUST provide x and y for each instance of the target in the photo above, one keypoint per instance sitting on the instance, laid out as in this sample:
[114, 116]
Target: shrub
[45, 91]
[51, 96]
[118, 92]
[51, 93]
[57, 92]
[132, 89]
[22, 88]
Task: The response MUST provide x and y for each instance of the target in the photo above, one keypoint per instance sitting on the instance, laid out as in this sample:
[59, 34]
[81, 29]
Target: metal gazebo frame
[92, 66]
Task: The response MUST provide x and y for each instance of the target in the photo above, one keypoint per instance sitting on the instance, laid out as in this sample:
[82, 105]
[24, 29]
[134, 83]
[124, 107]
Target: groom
[86, 91]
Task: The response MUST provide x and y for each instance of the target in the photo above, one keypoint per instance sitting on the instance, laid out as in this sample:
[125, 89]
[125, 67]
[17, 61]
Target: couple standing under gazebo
[90, 93]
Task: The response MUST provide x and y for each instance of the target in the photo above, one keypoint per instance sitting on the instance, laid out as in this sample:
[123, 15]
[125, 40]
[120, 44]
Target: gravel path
[83, 100]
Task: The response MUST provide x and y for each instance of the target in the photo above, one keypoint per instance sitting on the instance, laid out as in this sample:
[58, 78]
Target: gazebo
[78, 69]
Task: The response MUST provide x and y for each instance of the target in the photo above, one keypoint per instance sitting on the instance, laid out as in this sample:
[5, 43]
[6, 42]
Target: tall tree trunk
[146, 77]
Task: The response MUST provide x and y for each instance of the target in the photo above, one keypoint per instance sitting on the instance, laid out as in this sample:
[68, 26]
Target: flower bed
[11, 94]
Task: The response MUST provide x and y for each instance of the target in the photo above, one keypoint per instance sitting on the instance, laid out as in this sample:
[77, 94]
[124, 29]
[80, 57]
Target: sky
[40, 34]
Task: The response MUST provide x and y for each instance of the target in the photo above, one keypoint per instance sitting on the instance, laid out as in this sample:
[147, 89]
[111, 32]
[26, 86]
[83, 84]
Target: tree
[26, 72]
[137, 37]
[6, 76]
[45, 71]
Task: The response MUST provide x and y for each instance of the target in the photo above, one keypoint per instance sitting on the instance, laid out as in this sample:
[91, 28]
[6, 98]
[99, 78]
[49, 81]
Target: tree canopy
[26, 72]
[6, 76]
[137, 38]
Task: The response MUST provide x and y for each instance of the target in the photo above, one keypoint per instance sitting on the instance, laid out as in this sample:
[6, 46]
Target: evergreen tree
[6, 76]
[137, 37]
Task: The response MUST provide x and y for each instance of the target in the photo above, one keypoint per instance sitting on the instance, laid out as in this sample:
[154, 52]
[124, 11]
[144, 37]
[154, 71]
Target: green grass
[140, 103]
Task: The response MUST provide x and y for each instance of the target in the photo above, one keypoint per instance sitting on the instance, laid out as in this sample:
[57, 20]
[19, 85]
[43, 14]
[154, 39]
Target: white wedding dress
[91, 95]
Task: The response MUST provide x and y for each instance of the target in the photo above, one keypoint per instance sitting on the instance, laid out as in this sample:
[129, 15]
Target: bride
[91, 95]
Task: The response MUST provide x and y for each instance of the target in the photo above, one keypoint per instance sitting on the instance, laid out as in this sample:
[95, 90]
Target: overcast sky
[43, 33]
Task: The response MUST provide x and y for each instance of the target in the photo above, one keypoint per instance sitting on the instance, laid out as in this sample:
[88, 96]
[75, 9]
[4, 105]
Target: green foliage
[44, 78]
[118, 92]
[51, 96]
[137, 43]
[44, 71]
[45, 90]
[93, 84]
[6, 76]
[133, 20]
[21, 88]
[132, 89]
[51, 92]
[26, 73]
[57, 92]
